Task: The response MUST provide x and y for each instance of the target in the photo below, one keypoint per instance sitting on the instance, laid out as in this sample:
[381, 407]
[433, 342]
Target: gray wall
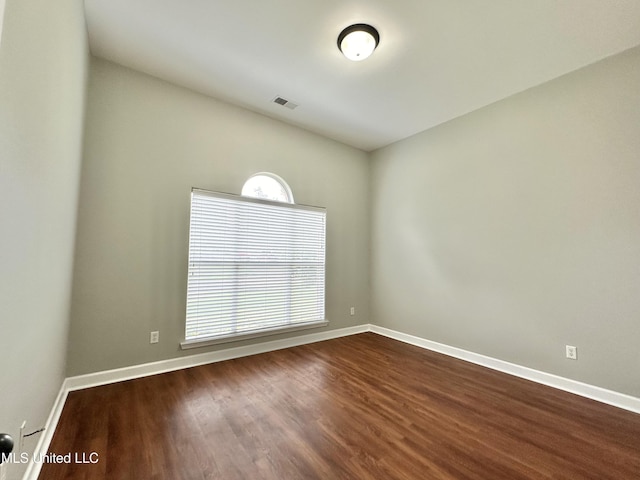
[43, 67]
[515, 230]
[147, 143]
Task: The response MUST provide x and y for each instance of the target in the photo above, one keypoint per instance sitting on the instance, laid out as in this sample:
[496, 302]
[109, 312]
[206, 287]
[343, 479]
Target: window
[267, 186]
[255, 266]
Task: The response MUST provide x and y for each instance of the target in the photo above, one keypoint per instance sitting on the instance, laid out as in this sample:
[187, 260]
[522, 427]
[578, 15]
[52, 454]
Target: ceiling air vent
[285, 103]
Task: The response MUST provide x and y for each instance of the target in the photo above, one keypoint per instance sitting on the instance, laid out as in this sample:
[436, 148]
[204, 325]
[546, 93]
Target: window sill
[205, 342]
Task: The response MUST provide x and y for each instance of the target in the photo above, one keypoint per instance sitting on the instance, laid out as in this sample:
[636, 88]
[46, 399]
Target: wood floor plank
[358, 407]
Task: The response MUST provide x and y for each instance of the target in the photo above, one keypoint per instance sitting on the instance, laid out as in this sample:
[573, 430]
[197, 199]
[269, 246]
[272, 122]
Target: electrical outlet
[571, 352]
[154, 337]
[352, 311]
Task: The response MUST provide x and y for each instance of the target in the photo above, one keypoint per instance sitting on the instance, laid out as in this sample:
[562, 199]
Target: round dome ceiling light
[358, 41]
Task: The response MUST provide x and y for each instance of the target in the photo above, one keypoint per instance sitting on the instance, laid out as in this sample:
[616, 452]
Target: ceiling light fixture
[358, 41]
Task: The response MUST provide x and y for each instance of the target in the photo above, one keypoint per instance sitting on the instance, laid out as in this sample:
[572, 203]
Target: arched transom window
[267, 186]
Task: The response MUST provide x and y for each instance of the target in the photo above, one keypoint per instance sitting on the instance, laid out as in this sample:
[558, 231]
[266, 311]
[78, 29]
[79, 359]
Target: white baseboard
[80, 382]
[620, 400]
[33, 469]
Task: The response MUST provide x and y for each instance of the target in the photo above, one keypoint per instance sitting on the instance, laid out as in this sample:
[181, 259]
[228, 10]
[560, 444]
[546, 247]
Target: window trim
[189, 344]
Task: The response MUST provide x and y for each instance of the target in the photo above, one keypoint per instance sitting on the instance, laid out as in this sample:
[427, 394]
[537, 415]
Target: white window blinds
[254, 266]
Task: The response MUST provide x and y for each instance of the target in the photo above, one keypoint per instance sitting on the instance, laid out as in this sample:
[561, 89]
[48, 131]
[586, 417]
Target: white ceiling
[437, 59]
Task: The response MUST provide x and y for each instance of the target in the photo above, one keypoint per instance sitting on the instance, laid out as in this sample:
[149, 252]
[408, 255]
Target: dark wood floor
[359, 407]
